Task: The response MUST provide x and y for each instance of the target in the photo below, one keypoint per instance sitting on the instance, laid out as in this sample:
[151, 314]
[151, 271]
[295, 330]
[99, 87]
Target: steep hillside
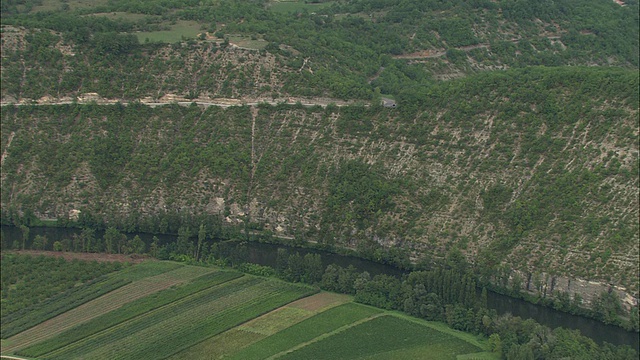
[533, 170]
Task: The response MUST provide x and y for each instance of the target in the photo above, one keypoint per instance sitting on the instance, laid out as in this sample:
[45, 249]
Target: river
[265, 254]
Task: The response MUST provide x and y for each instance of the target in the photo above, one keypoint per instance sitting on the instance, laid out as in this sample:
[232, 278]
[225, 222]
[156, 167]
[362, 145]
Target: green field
[183, 29]
[297, 6]
[385, 337]
[229, 342]
[53, 5]
[307, 330]
[133, 309]
[187, 312]
[143, 280]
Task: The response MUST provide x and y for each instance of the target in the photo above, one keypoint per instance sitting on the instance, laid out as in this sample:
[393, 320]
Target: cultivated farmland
[104, 318]
[385, 337]
[174, 311]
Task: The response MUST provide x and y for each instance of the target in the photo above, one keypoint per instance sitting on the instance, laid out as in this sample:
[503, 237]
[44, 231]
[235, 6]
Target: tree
[136, 245]
[312, 268]
[57, 246]
[520, 352]
[282, 261]
[633, 320]
[153, 248]
[295, 268]
[39, 242]
[25, 236]
[88, 239]
[111, 238]
[495, 344]
[184, 245]
[483, 298]
[202, 234]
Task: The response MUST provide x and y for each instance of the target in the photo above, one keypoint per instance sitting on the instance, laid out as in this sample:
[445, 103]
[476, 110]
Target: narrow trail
[254, 163]
[254, 114]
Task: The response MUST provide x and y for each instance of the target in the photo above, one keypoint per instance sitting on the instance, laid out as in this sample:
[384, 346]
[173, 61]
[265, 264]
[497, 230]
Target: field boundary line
[326, 335]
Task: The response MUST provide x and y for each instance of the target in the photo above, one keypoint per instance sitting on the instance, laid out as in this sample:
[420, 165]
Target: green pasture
[54, 5]
[182, 29]
[121, 15]
[297, 6]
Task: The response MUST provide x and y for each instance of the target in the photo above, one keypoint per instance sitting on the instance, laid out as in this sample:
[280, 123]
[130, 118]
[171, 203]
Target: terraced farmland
[192, 312]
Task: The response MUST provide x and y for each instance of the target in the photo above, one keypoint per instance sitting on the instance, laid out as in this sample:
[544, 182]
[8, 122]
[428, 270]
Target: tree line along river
[266, 254]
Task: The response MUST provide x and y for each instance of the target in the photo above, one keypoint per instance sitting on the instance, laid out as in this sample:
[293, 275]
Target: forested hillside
[514, 144]
[345, 49]
[538, 173]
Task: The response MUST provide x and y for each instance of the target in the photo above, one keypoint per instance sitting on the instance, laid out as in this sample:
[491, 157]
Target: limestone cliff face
[509, 180]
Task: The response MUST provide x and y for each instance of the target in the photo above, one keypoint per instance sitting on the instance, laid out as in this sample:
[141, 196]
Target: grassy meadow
[182, 29]
[297, 6]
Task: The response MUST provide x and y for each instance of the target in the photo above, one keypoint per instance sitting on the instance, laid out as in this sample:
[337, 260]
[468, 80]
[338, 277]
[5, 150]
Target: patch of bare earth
[99, 257]
[102, 305]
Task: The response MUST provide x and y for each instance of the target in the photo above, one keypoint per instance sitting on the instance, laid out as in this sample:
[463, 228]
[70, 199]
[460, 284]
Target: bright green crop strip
[161, 335]
[307, 330]
[133, 309]
[386, 337]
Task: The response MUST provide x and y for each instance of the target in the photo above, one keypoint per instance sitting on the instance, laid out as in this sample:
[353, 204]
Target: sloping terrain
[345, 50]
[514, 144]
[538, 173]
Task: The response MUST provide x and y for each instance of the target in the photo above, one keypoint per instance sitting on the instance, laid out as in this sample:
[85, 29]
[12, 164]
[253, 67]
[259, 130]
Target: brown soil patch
[100, 257]
[320, 301]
